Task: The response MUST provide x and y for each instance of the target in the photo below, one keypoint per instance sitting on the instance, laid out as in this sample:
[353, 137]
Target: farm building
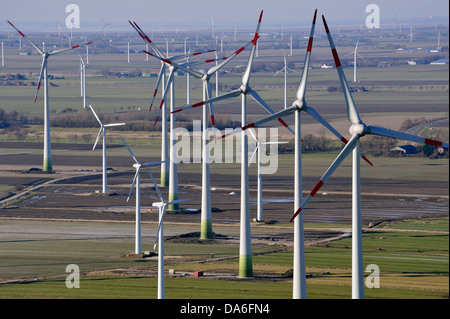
[440, 62]
[404, 149]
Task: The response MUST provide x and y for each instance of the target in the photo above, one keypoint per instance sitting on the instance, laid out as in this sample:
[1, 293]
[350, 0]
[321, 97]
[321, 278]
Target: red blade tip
[295, 215]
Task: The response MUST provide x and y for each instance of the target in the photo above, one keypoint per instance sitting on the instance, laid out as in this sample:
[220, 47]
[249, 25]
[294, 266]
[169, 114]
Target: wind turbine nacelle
[158, 204]
[136, 165]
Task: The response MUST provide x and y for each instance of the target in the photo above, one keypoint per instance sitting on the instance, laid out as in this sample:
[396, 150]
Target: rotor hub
[359, 128]
[245, 88]
[299, 104]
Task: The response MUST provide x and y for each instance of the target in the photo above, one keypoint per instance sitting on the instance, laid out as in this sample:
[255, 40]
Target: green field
[412, 265]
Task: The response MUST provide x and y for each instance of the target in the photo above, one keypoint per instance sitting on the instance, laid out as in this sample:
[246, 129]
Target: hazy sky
[183, 13]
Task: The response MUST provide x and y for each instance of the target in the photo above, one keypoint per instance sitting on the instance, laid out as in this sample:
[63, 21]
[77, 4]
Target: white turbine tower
[102, 133]
[47, 165]
[357, 129]
[355, 55]
[299, 105]
[285, 71]
[162, 205]
[258, 150]
[137, 182]
[3, 56]
[83, 80]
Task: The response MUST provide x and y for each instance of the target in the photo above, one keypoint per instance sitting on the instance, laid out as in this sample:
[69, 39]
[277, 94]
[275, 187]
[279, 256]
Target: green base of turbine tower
[245, 266]
[173, 197]
[164, 179]
[206, 229]
[47, 167]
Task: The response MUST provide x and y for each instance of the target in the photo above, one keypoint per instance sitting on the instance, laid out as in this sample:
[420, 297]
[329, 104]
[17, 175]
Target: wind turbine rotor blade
[189, 54]
[248, 70]
[134, 182]
[129, 150]
[254, 153]
[210, 107]
[339, 159]
[271, 117]
[114, 124]
[146, 38]
[26, 38]
[381, 131]
[166, 89]
[67, 49]
[95, 114]
[176, 65]
[158, 82]
[279, 71]
[98, 137]
[158, 191]
[352, 111]
[41, 76]
[302, 87]
[321, 120]
[261, 102]
[160, 224]
[225, 96]
[253, 135]
[231, 57]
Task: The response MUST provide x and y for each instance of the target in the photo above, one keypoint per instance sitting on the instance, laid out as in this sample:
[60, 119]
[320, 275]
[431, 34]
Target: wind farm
[205, 213]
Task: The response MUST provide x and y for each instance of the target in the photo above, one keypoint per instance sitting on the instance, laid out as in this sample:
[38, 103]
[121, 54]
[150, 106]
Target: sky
[45, 14]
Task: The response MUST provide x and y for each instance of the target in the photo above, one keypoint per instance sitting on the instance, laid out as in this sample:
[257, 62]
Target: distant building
[440, 62]
[324, 66]
[415, 62]
[405, 149]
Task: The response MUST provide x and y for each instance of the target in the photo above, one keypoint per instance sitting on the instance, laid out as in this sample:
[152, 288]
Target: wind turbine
[47, 166]
[357, 129]
[137, 182]
[285, 71]
[3, 56]
[299, 105]
[104, 28]
[245, 255]
[410, 34]
[162, 205]
[102, 133]
[258, 149]
[355, 54]
[167, 178]
[206, 219]
[395, 20]
[82, 79]
[168, 172]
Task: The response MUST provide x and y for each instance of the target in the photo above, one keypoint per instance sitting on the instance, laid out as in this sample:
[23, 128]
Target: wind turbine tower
[47, 165]
[355, 55]
[102, 133]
